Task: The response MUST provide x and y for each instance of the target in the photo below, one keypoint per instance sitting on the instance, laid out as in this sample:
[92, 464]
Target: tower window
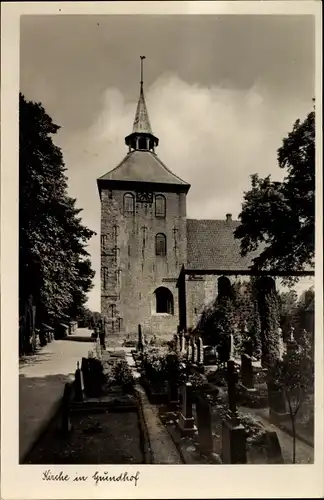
[142, 144]
[104, 240]
[105, 277]
[160, 244]
[112, 310]
[160, 206]
[129, 204]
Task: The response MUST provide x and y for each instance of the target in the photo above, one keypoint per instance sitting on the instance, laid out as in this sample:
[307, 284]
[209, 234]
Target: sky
[222, 92]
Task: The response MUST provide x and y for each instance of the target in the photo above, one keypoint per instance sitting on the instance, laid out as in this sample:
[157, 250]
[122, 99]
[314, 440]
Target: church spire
[142, 137]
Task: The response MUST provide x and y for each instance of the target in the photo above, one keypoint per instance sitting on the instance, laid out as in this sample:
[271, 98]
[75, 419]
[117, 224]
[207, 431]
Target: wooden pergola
[181, 283]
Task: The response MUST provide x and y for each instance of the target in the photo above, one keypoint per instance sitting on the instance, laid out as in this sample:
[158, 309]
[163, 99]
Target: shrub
[197, 380]
[154, 365]
[122, 374]
[254, 429]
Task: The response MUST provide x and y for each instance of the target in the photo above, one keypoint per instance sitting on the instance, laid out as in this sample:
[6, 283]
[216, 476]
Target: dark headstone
[140, 343]
[247, 376]
[233, 442]
[248, 347]
[67, 398]
[232, 379]
[233, 432]
[204, 424]
[173, 378]
[85, 374]
[78, 396]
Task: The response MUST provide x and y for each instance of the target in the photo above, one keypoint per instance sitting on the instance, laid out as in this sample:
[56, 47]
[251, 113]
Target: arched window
[224, 287]
[164, 300]
[129, 203]
[160, 206]
[266, 284]
[160, 244]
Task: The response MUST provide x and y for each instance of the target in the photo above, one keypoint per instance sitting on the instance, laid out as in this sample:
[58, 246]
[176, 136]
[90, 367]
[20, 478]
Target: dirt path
[41, 383]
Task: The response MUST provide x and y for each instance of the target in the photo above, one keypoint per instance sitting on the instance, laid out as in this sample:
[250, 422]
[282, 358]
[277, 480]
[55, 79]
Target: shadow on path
[39, 401]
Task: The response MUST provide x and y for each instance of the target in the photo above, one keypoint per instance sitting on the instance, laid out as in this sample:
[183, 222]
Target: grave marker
[140, 343]
[194, 352]
[172, 379]
[204, 423]
[200, 354]
[181, 342]
[247, 375]
[233, 432]
[186, 421]
[78, 384]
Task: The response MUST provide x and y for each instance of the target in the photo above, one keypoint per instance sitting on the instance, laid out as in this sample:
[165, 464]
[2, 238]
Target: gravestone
[181, 342]
[186, 421]
[172, 378]
[194, 352]
[67, 397]
[176, 341]
[233, 432]
[85, 374]
[247, 375]
[204, 424]
[140, 343]
[200, 354]
[78, 384]
[189, 352]
[248, 346]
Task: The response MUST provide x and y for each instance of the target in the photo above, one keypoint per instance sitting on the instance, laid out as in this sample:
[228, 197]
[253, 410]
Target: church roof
[211, 246]
[143, 166]
[142, 122]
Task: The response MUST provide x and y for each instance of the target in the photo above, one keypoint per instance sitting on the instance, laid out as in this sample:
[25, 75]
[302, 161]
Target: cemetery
[223, 412]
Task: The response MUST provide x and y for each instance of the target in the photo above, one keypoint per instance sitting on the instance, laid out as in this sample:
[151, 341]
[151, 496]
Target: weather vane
[142, 58]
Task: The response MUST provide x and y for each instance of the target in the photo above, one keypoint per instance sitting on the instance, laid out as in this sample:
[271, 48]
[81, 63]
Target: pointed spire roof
[142, 121]
[142, 137]
[141, 167]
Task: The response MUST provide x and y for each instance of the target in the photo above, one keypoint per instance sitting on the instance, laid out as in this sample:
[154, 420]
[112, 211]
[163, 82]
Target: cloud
[212, 137]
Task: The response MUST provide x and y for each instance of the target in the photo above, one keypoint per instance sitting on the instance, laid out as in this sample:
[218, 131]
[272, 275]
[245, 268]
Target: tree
[288, 304]
[278, 218]
[293, 310]
[295, 376]
[54, 268]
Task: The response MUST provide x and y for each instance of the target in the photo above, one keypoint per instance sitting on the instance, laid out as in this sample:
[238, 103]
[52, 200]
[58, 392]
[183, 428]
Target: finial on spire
[142, 58]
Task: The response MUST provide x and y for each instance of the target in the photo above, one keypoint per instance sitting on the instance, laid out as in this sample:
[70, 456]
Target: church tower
[143, 235]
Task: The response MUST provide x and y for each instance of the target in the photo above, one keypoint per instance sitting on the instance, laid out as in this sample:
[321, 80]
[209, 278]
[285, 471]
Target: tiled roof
[211, 245]
[143, 166]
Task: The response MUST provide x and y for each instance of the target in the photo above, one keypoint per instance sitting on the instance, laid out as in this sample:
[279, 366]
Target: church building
[147, 241]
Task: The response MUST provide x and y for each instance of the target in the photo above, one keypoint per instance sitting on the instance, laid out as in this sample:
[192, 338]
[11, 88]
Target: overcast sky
[222, 92]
